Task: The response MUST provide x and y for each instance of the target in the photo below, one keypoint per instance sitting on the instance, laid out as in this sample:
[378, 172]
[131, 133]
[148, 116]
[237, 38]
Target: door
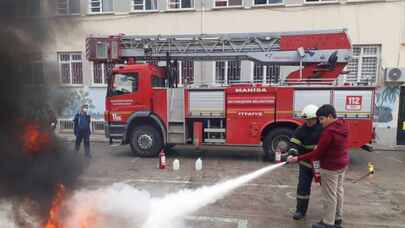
[123, 98]
[401, 118]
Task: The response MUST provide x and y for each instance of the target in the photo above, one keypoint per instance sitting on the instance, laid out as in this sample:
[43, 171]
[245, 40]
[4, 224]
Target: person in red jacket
[332, 153]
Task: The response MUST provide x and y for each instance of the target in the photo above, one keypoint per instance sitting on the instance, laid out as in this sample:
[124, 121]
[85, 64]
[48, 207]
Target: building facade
[376, 28]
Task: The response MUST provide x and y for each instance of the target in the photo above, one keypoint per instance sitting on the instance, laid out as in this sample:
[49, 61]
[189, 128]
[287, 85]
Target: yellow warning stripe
[296, 141]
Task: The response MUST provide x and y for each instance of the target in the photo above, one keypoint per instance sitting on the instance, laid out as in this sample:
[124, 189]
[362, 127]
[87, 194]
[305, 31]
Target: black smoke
[24, 101]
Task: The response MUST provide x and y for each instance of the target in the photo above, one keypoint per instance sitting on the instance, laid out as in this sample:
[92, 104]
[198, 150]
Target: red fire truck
[146, 109]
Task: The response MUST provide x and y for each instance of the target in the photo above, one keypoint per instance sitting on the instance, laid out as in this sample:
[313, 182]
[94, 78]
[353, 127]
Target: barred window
[101, 72]
[267, 2]
[319, 1]
[100, 6]
[33, 69]
[229, 68]
[68, 7]
[364, 65]
[220, 72]
[233, 71]
[227, 3]
[70, 67]
[144, 5]
[187, 71]
[268, 71]
[181, 4]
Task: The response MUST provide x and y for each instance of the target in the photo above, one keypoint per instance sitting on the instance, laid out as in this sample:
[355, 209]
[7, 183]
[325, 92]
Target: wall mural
[386, 103]
[66, 102]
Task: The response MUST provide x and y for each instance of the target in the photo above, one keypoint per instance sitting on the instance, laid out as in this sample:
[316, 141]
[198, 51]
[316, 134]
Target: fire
[34, 139]
[54, 212]
[54, 220]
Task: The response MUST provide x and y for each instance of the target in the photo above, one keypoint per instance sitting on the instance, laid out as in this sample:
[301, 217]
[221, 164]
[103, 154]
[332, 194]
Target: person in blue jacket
[82, 129]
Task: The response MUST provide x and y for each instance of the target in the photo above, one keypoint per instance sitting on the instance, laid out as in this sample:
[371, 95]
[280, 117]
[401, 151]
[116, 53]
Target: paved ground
[377, 201]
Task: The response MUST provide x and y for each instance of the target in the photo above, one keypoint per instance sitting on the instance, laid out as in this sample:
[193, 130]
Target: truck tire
[273, 138]
[146, 141]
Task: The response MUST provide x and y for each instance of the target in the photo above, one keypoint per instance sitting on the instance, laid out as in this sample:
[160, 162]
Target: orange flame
[34, 139]
[54, 212]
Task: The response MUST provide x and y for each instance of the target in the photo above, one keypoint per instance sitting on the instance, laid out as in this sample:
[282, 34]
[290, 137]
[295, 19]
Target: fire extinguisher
[162, 160]
[317, 173]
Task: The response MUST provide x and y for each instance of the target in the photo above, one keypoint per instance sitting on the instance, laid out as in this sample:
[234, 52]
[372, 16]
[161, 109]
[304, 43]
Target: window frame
[110, 91]
[226, 71]
[144, 7]
[265, 73]
[101, 7]
[316, 2]
[68, 10]
[185, 67]
[359, 66]
[160, 80]
[103, 74]
[269, 4]
[70, 62]
[181, 8]
[227, 4]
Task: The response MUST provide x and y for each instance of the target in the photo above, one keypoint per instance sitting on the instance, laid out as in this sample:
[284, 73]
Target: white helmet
[309, 112]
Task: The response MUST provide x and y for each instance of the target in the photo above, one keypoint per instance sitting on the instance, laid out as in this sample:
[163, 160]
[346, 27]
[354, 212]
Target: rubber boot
[322, 225]
[302, 206]
[338, 223]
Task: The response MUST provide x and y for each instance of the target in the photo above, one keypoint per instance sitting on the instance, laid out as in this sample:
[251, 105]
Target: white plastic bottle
[198, 164]
[176, 164]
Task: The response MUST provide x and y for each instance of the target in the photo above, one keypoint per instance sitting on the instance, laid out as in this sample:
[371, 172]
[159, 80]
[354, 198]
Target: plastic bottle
[198, 164]
[176, 164]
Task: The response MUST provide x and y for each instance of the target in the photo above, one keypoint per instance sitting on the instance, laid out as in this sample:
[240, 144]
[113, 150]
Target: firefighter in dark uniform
[303, 141]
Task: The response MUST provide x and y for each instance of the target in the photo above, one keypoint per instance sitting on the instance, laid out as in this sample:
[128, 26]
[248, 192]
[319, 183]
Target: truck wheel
[273, 139]
[146, 141]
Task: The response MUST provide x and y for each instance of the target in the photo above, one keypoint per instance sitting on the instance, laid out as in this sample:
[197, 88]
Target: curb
[102, 138]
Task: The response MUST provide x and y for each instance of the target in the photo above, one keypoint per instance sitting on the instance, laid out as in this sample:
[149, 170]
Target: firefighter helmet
[309, 111]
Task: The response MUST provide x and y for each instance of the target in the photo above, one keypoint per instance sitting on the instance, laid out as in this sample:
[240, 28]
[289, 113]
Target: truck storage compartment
[207, 103]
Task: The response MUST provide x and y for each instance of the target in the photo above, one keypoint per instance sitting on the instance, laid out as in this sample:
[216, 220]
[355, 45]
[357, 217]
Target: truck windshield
[124, 83]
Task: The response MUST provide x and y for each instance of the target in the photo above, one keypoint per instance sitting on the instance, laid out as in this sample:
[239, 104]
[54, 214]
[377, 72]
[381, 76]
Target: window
[8, 9]
[68, 7]
[70, 68]
[266, 71]
[364, 65]
[32, 70]
[158, 82]
[227, 3]
[144, 5]
[220, 72]
[101, 72]
[100, 6]
[181, 4]
[124, 83]
[227, 72]
[187, 71]
[31, 8]
[267, 2]
[233, 71]
[320, 1]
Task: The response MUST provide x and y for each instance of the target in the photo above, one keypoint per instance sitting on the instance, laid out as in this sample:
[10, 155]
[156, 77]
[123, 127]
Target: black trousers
[83, 137]
[304, 188]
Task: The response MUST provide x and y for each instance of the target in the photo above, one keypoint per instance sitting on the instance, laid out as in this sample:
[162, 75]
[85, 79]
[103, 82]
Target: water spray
[185, 202]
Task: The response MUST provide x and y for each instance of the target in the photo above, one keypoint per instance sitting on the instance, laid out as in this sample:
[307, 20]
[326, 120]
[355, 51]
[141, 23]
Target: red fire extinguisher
[162, 160]
[317, 173]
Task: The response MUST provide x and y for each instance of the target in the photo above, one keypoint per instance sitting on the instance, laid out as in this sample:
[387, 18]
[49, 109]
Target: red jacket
[332, 150]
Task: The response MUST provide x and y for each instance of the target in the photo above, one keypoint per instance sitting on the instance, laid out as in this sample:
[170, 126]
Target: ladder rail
[278, 48]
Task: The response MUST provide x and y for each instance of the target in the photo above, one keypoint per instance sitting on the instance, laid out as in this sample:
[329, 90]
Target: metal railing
[65, 125]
